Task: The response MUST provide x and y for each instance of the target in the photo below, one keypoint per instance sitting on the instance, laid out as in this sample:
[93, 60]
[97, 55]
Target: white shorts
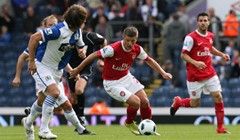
[46, 76]
[206, 86]
[123, 88]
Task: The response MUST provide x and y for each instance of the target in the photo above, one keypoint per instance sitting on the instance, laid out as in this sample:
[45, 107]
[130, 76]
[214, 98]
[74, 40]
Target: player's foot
[83, 121]
[132, 127]
[29, 131]
[156, 133]
[175, 105]
[46, 134]
[86, 132]
[223, 131]
[27, 110]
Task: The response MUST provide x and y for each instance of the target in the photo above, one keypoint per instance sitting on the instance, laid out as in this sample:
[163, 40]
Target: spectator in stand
[99, 108]
[162, 10]
[5, 36]
[174, 35]
[6, 19]
[115, 16]
[20, 7]
[235, 72]
[230, 48]
[30, 22]
[169, 68]
[96, 15]
[131, 13]
[215, 22]
[104, 28]
[230, 27]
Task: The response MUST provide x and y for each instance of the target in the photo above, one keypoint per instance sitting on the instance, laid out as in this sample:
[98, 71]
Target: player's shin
[36, 110]
[219, 109]
[47, 111]
[72, 117]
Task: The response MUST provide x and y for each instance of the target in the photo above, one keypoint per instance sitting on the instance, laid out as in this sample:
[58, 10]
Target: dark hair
[130, 31]
[202, 14]
[75, 16]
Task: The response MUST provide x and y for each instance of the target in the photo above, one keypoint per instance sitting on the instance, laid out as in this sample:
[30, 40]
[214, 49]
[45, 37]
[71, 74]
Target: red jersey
[198, 47]
[117, 60]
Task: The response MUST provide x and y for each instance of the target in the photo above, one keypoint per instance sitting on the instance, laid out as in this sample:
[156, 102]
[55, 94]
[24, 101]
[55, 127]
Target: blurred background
[162, 24]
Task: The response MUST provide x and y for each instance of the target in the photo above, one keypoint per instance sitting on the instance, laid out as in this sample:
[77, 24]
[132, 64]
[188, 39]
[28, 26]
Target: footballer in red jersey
[118, 82]
[201, 76]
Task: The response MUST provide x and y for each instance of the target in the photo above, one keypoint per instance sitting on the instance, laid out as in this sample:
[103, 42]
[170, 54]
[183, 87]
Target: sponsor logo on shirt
[48, 31]
[122, 93]
[124, 67]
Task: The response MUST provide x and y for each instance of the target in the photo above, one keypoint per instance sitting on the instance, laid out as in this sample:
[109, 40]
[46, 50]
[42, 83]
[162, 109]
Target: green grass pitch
[117, 132]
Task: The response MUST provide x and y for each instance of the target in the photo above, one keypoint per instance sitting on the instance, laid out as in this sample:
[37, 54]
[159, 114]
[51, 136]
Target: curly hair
[75, 16]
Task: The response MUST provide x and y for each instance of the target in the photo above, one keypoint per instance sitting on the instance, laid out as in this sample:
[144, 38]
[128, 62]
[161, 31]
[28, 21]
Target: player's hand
[82, 52]
[16, 82]
[201, 65]
[167, 76]
[226, 57]
[73, 73]
[31, 67]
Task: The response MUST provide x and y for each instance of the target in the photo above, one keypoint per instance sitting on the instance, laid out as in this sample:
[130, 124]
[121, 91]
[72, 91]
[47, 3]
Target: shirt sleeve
[95, 38]
[50, 33]
[80, 42]
[106, 52]
[188, 44]
[142, 55]
[26, 51]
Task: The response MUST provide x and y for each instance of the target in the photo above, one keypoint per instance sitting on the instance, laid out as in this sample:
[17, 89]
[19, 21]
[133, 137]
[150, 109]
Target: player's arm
[154, 65]
[187, 46]
[214, 51]
[32, 46]
[20, 62]
[73, 73]
[102, 53]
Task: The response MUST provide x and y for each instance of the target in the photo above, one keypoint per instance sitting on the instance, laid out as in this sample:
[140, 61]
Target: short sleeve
[106, 52]
[50, 33]
[142, 55]
[188, 43]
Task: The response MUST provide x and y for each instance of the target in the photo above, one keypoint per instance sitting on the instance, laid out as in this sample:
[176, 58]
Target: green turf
[117, 132]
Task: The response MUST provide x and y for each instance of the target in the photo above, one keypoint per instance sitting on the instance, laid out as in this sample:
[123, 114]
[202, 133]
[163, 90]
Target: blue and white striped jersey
[57, 45]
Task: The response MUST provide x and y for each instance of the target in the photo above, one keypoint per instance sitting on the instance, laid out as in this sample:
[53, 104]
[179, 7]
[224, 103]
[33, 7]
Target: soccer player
[77, 87]
[201, 76]
[118, 82]
[46, 64]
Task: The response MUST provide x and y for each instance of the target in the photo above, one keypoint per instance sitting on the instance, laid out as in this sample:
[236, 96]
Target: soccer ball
[147, 127]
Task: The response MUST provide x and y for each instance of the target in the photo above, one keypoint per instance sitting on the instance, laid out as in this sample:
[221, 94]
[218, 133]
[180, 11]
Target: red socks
[219, 109]
[131, 114]
[185, 102]
[146, 112]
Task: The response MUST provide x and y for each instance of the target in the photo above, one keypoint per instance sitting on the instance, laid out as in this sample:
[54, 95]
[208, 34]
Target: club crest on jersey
[76, 36]
[134, 56]
[47, 78]
[211, 41]
[122, 93]
[48, 31]
[194, 93]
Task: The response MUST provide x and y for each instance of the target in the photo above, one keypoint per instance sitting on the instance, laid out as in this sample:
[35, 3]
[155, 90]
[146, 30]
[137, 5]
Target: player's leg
[117, 90]
[213, 85]
[145, 108]
[219, 110]
[69, 113]
[194, 90]
[79, 90]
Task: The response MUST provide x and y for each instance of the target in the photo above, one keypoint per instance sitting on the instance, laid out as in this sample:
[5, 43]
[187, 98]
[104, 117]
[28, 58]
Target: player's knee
[144, 102]
[66, 106]
[195, 103]
[79, 91]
